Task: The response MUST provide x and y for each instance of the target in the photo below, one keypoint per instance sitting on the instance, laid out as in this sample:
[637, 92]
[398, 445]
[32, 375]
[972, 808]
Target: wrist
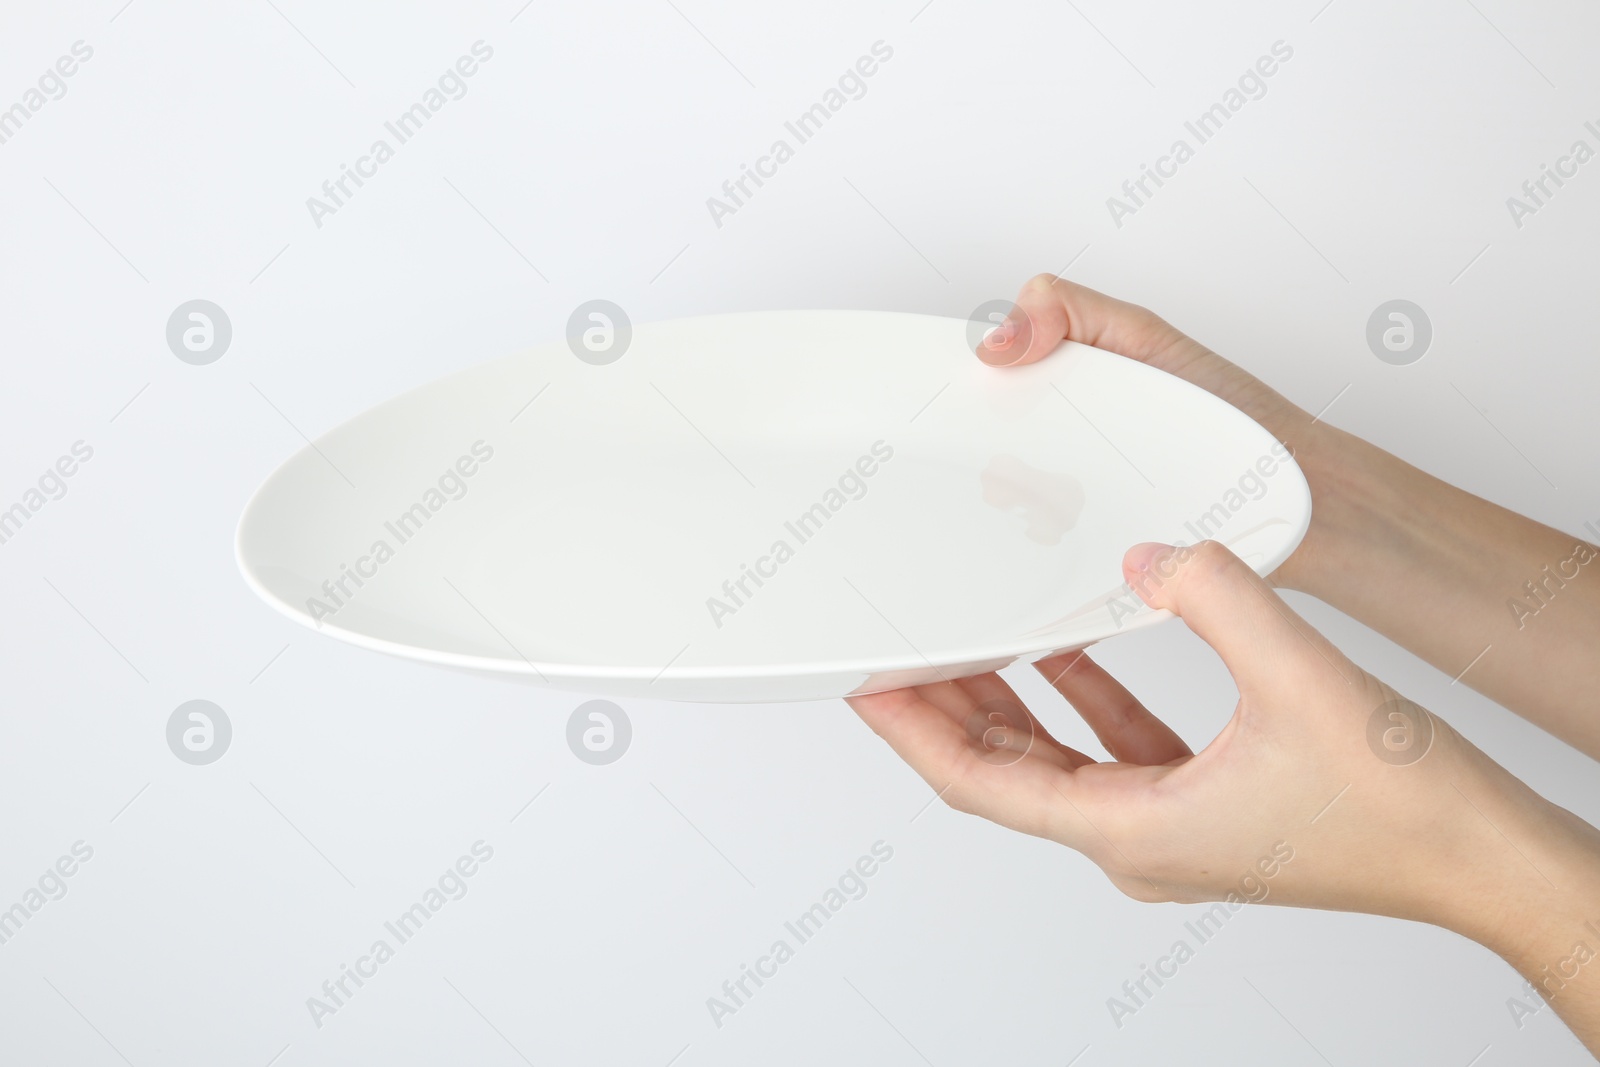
[1552, 902]
[1550, 933]
[1347, 496]
[1535, 900]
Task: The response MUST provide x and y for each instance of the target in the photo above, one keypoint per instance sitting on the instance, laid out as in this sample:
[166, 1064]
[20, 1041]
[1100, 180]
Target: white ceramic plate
[761, 507]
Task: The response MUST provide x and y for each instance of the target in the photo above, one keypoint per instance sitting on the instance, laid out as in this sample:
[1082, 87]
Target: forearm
[1542, 916]
[1509, 605]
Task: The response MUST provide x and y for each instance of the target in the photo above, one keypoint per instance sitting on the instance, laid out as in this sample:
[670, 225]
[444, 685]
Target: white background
[177, 166]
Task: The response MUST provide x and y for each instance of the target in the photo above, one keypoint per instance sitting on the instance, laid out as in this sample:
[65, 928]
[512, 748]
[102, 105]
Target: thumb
[1268, 649]
[1049, 310]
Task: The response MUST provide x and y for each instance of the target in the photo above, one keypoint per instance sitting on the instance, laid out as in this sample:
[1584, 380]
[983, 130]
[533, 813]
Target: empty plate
[771, 506]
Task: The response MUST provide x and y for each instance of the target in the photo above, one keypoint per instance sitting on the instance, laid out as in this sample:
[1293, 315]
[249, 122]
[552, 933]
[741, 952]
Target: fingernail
[1000, 335]
[1139, 558]
[995, 349]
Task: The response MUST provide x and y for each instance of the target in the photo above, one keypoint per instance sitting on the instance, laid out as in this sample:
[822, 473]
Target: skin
[1382, 806]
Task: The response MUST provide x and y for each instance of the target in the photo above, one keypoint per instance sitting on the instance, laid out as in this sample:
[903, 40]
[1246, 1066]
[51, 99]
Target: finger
[1124, 726]
[996, 722]
[955, 702]
[1049, 310]
[991, 694]
[1019, 794]
[1267, 647]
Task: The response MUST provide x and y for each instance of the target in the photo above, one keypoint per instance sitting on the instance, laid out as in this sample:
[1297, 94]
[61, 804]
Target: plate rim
[520, 666]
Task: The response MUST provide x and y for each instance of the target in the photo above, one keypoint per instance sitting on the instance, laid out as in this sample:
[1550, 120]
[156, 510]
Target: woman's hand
[1326, 789]
[1508, 605]
[1050, 309]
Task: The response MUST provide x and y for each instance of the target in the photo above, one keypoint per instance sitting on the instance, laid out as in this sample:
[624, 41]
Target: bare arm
[1428, 828]
[1435, 568]
[1510, 605]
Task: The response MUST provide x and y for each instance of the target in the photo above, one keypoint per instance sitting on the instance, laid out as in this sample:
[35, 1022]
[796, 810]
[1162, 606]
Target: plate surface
[767, 506]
